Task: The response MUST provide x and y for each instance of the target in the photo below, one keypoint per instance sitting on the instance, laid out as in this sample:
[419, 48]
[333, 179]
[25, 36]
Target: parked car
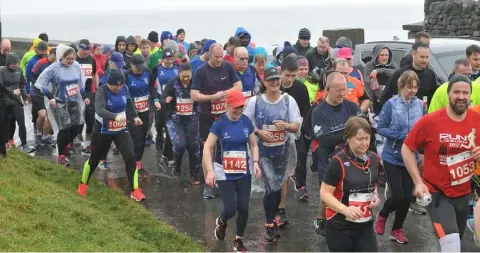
[445, 51]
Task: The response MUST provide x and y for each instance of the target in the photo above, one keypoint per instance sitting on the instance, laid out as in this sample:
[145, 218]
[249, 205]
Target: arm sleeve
[27, 72]
[197, 79]
[168, 92]
[390, 88]
[216, 128]
[333, 173]
[384, 124]
[153, 78]
[151, 87]
[23, 86]
[293, 111]
[44, 79]
[366, 77]
[100, 103]
[130, 105]
[321, 130]
[307, 121]
[406, 60]
[250, 109]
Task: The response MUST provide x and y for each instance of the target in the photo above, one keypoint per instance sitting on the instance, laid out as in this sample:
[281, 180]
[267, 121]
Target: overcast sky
[17, 7]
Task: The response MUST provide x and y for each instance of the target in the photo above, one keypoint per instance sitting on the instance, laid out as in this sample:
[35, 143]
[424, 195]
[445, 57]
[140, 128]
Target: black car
[445, 51]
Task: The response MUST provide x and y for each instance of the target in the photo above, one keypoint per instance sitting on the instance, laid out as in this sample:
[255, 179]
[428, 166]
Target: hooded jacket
[384, 72]
[239, 33]
[12, 79]
[300, 49]
[262, 51]
[28, 55]
[126, 58]
[316, 60]
[396, 120]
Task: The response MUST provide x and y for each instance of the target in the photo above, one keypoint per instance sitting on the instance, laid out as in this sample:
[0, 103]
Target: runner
[5, 47]
[245, 74]
[209, 87]
[63, 84]
[89, 69]
[328, 119]
[204, 56]
[11, 78]
[182, 124]
[349, 190]
[6, 95]
[450, 149]
[302, 77]
[276, 119]
[39, 112]
[40, 52]
[161, 74]
[113, 101]
[398, 116]
[142, 92]
[230, 169]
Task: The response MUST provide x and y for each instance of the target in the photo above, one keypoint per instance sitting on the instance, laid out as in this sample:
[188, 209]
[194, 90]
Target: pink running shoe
[397, 235]
[379, 225]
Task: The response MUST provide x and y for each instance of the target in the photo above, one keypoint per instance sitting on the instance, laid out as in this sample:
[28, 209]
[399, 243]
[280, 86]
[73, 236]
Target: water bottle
[425, 200]
[374, 83]
[425, 102]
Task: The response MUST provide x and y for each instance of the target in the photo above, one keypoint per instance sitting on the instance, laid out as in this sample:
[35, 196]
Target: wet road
[181, 205]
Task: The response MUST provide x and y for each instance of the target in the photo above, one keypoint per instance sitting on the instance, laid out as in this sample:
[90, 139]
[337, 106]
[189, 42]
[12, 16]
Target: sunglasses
[84, 47]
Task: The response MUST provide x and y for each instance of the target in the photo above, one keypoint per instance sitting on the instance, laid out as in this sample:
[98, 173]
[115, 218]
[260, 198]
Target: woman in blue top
[397, 118]
[230, 169]
[277, 119]
[182, 123]
[112, 101]
[63, 83]
[143, 93]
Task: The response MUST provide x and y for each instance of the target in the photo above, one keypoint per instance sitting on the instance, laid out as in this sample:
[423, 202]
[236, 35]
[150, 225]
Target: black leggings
[236, 197]
[67, 135]
[101, 145]
[90, 113]
[401, 186]
[303, 146]
[359, 239]
[184, 136]
[161, 127]
[271, 202]
[17, 115]
[4, 124]
[139, 134]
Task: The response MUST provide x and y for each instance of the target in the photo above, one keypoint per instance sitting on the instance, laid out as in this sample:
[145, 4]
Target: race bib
[219, 107]
[115, 126]
[184, 106]
[141, 104]
[87, 70]
[278, 136]
[235, 162]
[361, 200]
[73, 90]
[247, 94]
[461, 167]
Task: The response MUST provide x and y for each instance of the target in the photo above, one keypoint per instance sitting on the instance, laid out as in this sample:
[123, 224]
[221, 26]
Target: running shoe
[208, 192]
[471, 227]
[238, 245]
[164, 163]
[11, 143]
[379, 224]
[415, 208]
[320, 227]
[397, 235]
[87, 150]
[281, 218]
[276, 231]
[176, 172]
[68, 149]
[220, 228]
[49, 141]
[142, 174]
[149, 141]
[195, 179]
[82, 190]
[171, 165]
[269, 232]
[38, 140]
[303, 194]
[103, 166]
[63, 160]
[137, 195]
[27, 149]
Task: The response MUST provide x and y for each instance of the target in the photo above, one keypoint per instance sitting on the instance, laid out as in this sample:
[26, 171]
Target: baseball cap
[84, 44]
[272, 73]
[116, 77]
[345, 53]
[207, 45]
[235, 98]
[168, 53]
[117, 58]
[137, 60]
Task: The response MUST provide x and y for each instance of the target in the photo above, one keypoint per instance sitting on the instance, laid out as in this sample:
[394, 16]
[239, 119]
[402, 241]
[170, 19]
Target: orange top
[476, 108]
[355, 89]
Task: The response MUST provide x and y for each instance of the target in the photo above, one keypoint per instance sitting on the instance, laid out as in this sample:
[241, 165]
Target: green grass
[41, 211]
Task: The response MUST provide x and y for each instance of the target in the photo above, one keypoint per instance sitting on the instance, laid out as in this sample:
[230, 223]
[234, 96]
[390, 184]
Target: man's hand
[168, 99]
[87, 101]
[158, 105]
[53, 103]
[17, 92]
[373, 74]
[220, 95]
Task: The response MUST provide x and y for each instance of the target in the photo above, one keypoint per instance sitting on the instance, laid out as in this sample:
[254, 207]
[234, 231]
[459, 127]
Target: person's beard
[459, 109]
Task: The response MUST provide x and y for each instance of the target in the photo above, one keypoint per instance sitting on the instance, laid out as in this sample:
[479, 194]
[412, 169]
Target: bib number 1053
[461, 167]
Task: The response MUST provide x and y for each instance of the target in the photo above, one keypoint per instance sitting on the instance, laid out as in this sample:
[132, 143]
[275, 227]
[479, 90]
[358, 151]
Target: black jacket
[301, 50]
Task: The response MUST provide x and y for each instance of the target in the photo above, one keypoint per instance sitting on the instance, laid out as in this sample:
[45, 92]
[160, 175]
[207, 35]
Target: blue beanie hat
[166, 35]
[288, 49]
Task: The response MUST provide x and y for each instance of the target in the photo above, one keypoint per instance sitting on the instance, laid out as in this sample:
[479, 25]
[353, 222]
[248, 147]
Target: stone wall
[452, 17]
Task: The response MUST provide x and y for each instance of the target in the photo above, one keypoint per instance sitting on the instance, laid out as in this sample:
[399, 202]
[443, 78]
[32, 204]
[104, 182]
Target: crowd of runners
[245, 120]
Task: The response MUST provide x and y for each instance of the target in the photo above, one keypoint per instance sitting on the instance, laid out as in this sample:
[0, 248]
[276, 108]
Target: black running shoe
[320, 227]
[281, 218]
[238, 245]
[220, 229]
[270, 232]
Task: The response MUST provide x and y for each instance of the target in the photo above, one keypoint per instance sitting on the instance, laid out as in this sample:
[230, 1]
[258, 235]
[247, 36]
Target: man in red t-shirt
[451, 148]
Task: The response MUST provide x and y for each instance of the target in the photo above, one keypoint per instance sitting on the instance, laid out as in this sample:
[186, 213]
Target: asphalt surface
[182, 206]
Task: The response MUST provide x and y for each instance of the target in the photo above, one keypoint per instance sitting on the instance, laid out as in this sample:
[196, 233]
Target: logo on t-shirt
[317, 130]
[226, 136]
[455, 143]
[245, 131]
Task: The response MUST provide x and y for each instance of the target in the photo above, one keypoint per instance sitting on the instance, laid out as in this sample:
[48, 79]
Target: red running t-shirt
[447, 144]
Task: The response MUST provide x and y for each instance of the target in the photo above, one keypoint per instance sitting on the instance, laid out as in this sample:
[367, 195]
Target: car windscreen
[446, 60]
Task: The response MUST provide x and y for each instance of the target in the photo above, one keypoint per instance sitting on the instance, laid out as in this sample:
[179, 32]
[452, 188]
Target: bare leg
[284, 194]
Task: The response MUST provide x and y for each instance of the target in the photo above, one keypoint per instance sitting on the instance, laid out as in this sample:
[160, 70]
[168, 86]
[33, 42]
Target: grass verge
[41, 211]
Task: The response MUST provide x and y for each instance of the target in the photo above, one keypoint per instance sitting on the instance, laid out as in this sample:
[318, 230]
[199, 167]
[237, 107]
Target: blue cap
[117, 58]
[207, 45]
[166, 35]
